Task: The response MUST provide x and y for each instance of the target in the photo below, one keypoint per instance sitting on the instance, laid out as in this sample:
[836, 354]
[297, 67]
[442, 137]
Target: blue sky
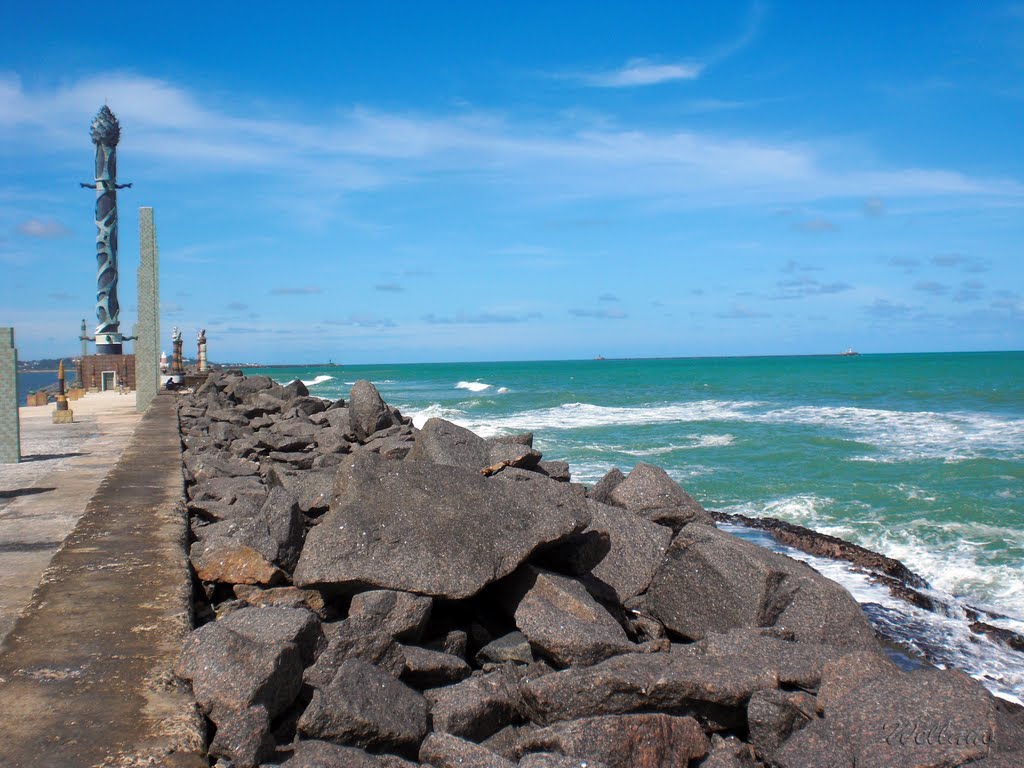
[475, 181]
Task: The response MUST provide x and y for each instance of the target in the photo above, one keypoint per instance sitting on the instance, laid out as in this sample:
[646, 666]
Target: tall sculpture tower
[106, 132]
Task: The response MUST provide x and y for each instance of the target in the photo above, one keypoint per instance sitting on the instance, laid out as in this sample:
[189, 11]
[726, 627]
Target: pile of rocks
[378, 595]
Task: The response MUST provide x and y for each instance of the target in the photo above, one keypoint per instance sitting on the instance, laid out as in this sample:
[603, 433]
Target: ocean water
[917, 456]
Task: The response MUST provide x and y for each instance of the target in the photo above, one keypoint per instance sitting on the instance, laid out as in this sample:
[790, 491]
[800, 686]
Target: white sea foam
[473, 386]
[437, 411]
[914, 435]
[318, 380]
[503, 390]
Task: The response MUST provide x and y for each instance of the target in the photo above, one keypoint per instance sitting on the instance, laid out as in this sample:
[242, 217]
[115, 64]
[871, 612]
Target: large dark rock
[624, 741]
[402, 615]
[562, 621]
[706, 687]
[312, 489]
[842, 676]
[635, 552]
[283, 597]
[602, 490]
[389, 521]
[513, 647]
[712, 581]
[478, 707]
[324, 754]
[425, 668]
[442, 750]
[277, 626]
[355, 638]
[772, 716]
[294, 389]
[239, 389]
[367, 411]
[231, 672]
[442, 442]
[649, 487]
[798, 663]
[276, 531]
[364, 706]
[920, 719]
[552, 760]
[207, 465]
[224, 560]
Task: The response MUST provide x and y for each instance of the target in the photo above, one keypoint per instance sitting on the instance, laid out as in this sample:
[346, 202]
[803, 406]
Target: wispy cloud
[959, 261]
[604, 313]
[479, 318]
[298, 291]
[931, 287]
[742, 312]
[43, 229]
[642, 72]
[969, 291]
[363, 320]
[799, 288]
[908, 264]
[356, 148]
[607, 297]
[388, 288]
[237, 306]
[792, 266]
[873, 207]
[815, 225]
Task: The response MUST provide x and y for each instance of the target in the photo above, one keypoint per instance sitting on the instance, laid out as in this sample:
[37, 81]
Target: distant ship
[599, 357]
[848, 352]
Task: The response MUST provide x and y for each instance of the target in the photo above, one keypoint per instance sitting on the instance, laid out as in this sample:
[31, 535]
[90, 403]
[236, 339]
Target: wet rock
[478, 707]
[918, 719]
[713, 582]
[627, 741]
[367, 411]
[513, 647]
[324, 754]
[425, 668]
[563, 622]
[399, 614]
[712, 689]
[366, 707]
[389, 520]
[442, 750]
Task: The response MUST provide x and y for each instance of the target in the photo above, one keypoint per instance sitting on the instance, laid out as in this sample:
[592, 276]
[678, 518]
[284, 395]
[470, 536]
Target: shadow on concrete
[48, 456]
[23, 492]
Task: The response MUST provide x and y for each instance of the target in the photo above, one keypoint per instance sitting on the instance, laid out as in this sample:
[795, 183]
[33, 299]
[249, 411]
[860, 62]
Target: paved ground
[43, 497]
[85, 672]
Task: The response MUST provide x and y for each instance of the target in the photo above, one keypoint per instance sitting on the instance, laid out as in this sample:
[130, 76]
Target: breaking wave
[318, 380]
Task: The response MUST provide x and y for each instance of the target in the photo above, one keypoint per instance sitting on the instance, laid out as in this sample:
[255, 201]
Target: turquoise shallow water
[919, 456]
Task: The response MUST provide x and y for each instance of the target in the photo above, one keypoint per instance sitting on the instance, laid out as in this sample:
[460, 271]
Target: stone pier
[10, 432]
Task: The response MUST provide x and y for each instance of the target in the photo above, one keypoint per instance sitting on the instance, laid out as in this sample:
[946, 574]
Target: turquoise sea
[917, 456]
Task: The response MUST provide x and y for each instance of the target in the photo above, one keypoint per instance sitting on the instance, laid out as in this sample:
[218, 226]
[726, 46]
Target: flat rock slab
[430, 529]
[85, 674]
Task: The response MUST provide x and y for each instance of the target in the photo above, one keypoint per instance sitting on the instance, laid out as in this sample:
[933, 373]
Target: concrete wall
[147, 344]
[10, 430]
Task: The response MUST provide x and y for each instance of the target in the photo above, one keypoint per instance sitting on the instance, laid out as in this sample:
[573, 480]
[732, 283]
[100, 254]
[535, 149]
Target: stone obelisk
[106, 133]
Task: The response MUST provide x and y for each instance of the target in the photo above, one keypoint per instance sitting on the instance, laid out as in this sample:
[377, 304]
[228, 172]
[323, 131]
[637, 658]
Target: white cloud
[356, 148]
[643, 72]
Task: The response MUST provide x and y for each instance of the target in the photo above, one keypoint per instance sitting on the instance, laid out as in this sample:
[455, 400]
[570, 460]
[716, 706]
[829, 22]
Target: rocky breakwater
[378, 595]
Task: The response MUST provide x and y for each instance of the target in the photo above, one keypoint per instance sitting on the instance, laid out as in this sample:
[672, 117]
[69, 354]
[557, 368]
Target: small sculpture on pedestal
[202, 351]
[63, 414]
[177, 364]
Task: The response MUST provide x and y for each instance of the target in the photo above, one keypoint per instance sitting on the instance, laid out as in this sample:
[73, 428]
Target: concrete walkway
[85, 673]
[42, 498]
